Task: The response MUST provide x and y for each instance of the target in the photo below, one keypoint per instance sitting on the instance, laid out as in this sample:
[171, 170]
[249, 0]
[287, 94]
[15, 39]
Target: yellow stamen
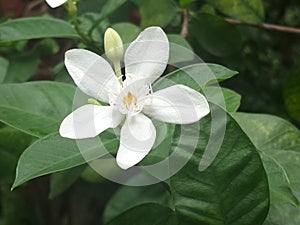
[130, 99]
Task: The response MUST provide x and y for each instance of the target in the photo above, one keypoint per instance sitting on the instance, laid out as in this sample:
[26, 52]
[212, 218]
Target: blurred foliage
[269, 82]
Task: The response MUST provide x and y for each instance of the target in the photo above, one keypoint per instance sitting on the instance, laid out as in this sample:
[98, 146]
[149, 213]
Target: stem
[185, 24]
[266, 26]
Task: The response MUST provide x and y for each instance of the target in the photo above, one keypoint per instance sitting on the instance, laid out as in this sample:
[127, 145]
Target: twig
[267, 26]
[185, 24]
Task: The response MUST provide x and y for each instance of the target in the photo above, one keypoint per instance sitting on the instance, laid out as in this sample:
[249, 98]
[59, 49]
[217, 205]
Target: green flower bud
[113, 45]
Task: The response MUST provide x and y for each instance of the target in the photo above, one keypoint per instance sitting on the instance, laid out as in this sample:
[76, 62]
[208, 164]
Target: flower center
[129, 100]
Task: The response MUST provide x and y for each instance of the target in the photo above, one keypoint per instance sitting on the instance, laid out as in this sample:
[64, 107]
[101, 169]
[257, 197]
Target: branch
[185, 24]
[266, 26]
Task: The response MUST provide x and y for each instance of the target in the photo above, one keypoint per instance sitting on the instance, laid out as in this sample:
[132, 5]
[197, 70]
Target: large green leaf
[36, 108]
[196, 76]
[280, 140]
[216, 35]
[157, 13]
[233, 190]
[35, 27]
[247, 10]
[53, 153]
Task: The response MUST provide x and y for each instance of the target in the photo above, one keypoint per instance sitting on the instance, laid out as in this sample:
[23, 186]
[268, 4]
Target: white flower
[145, 60]
[55, 3]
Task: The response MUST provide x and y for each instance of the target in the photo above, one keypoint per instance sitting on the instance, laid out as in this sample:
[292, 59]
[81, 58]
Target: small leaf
[180, 49]
[216, 35]
[61, 181]
[35, 27]
[195, 76]
[53, 153]
[223, 97]
[36, 108]
[127, 31]
[251, 11]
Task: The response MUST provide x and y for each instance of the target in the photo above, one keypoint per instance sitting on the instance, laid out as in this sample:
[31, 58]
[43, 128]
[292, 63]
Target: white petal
[148, 55]
[55, 3]
[91, 73]
[89, 121]
[137, 138]
[177, 104]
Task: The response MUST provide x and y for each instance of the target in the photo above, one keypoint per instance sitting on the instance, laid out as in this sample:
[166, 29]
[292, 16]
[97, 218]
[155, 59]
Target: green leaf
[233, 190]
[280, 140]
[36, 108]
[22, 67]
[35, 27]
[63, 180]
[127, 31]
[196, 76]
[216, 35]
[154, 13]
[53, 153]
[147, 214]
[280, 191]
[3, 68]
[180, 49]
[128, 197]
[251, 11]
[223, 97]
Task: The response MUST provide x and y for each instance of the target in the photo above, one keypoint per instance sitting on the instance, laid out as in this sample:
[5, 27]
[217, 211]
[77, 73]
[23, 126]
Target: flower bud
[113, 45]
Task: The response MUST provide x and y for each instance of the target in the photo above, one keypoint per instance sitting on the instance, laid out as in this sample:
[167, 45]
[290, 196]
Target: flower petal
[89, 121]
[137, 138]
[91, 73]
[177, 104]
[55, 3]
[148, 55]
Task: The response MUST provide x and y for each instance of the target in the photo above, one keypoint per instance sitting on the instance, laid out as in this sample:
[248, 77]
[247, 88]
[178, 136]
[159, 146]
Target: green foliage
[252, 179]
[216, 35]
[153, 14]
[36, 108]
[278, 141]
[219, 195]
[53, 153]
[35, 27]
